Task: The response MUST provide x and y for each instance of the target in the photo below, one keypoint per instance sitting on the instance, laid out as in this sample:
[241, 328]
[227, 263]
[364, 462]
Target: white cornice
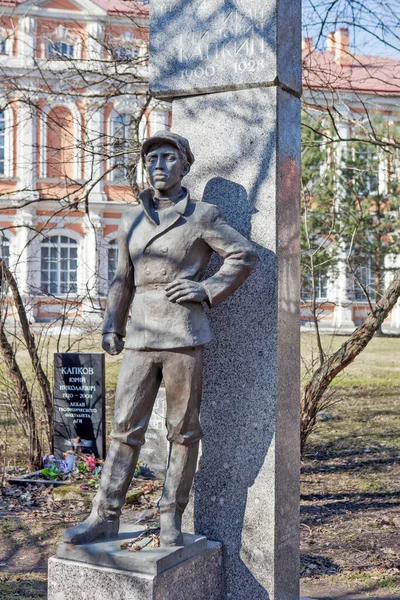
[85, 6]
[87, 13]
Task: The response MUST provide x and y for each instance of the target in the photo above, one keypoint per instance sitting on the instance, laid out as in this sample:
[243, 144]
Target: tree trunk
[24, 400]
[33, 352]
[313, 393]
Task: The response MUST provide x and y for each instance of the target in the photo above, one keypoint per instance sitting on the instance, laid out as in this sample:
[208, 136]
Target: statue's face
[164, 167]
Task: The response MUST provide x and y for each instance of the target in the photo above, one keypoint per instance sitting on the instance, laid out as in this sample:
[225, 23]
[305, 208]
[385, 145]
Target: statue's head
[167, 158]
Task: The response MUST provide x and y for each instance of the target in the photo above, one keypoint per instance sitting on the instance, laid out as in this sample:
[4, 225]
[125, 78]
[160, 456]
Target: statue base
[103, 570]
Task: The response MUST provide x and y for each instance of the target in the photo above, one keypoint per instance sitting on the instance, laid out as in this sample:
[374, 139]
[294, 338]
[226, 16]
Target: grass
[351, 480]
[377, 366]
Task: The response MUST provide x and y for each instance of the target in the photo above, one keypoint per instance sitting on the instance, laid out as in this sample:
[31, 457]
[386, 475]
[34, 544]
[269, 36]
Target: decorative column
[343, 313]
[94, 155]
[25, 261]
[90, 280]
[341, 286]
[233, 73]
[95, 41]
[26, 152]
[27, 39]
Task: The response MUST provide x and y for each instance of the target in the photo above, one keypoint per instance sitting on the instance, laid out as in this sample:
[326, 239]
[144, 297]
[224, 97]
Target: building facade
[352, 92]
[74, 104]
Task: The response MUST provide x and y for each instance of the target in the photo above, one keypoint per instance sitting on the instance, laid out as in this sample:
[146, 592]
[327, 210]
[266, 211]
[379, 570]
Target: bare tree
[75, 105]
[351, 142]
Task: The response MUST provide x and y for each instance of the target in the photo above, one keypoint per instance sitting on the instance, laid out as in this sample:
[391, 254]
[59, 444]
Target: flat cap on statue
[165, 136]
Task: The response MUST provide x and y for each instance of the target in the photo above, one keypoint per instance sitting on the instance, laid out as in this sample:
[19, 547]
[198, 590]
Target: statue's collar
[146, 200]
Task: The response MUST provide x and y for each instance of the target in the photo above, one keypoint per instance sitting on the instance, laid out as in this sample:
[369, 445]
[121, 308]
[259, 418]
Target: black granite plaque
[79, 403]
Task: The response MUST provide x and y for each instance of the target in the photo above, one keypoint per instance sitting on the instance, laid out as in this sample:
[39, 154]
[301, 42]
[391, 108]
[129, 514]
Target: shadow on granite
[238, 408]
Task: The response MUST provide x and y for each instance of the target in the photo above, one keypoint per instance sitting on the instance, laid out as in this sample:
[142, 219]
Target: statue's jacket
[151, 255]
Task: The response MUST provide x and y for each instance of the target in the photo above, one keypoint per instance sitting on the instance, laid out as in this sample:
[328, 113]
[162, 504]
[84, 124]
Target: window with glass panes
[3, 47]
[2, 143]
[4, 254]
[125, 53]
[368, 170]
[366, 275]
[60, 50]
[119, 145]
[112, 258]
[59, 265]
[4, 249]
[321, 281]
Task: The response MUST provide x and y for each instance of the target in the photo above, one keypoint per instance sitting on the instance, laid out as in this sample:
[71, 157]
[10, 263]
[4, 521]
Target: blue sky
[374, 24]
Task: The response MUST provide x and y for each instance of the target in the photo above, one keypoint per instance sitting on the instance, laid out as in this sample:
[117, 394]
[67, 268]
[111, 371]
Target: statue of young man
[165, 244]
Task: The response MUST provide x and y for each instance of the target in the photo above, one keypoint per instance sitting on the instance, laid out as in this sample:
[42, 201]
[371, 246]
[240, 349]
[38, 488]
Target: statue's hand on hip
[184, 290]
[112, 343]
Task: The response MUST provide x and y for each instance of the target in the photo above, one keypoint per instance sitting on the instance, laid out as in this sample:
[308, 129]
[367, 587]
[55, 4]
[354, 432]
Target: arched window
[60, 143]
[2, 143]
[121, 132]
[59, 265]
[112, 259]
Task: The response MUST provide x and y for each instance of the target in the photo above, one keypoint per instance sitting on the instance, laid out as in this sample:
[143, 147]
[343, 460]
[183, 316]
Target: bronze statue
[165, 244]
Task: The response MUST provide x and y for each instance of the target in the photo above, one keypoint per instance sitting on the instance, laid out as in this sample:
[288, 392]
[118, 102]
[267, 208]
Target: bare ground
[350, 498]
[350, 530]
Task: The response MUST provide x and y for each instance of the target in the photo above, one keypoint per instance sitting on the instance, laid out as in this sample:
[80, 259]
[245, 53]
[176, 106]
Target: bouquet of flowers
[53, 467]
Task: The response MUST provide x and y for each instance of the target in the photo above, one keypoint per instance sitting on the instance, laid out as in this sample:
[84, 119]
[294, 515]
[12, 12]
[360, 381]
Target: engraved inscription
[211, 44]
[234, 40]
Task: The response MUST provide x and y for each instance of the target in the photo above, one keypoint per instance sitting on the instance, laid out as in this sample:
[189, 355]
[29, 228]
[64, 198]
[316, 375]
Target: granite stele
[232, 69]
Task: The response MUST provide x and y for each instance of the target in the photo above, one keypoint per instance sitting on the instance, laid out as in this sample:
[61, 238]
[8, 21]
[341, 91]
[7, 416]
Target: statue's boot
[103, 521]
[180, 473]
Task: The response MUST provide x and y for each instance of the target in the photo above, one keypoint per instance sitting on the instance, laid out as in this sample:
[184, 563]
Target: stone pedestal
[233, 73]
[105, 571]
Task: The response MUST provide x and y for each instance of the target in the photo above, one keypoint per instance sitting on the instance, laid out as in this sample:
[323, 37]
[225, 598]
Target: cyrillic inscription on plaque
[79, 403]
[209, 45]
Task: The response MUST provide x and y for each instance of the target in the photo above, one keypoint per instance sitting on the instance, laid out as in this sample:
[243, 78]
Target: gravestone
[232, 69]
[79, 403]
[154, 452]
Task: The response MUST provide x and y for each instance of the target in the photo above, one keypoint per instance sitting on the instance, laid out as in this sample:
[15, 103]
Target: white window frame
[47, 242]
[112, 176]
[112, 244]
[5, 242]
[319, 285]
[366, 274]
[6, 38]
[53, 53]
[125, 106]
